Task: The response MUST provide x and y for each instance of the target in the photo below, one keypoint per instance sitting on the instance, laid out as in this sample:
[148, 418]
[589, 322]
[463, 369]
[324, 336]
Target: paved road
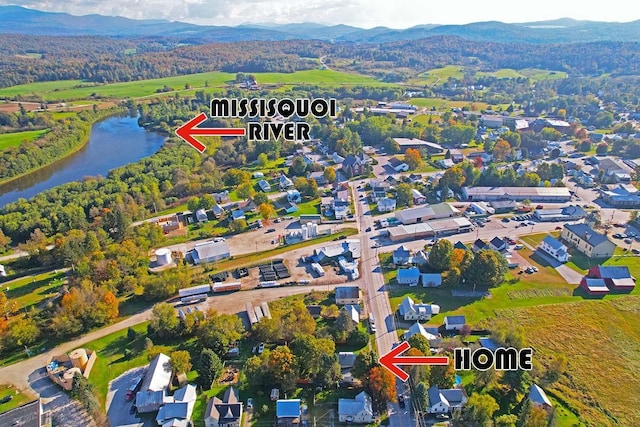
[377, 302]
[18, 373]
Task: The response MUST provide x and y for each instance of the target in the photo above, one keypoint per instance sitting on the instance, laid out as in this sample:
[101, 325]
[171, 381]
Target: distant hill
[19, 20]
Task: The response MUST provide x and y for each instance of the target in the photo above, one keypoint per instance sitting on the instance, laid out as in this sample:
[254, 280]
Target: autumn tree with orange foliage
[382, 385]
[412, 158]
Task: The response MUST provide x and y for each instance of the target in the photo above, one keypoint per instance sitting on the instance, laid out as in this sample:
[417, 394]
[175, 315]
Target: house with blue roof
[408, 276]
[588, 241]
[538, 397]
[555, 248]
[453, 323]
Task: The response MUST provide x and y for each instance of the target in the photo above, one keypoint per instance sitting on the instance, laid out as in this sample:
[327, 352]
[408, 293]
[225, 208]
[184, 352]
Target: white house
[398, 165]
[201, 215]
[417, 328]
[358, 410]
[442, 401]
[409, 310]
[402, 256]
[353, 311]
[264, 185]
[386, 204]
[555, 248]
[418, 197]
[452, 323]
[293, 196]
[586, 240]
[408, 276]
[285, 182]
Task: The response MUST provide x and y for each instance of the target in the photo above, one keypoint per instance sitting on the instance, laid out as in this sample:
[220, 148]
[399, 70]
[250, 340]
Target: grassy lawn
[601, 340]
[76, 89]
[16, 138]
[503, 73]
[31, 291]
[438, 75]
[20, 397]
[539, 74]
[311, 207]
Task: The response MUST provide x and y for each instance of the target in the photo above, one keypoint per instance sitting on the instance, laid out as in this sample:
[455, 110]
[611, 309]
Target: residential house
[26, 415]
[538, 397]
[418, 197]
[238, 214]
[398, 165]
[354, 165]
[341, 208]
[315, 311]
[288, 412]
[386, 204]
[408, 276]
[177, 409]
[347, 295]
[431, 280]
[217, 210]
[288, 207]
[285, 183]
[414, 178]
[391, 180]
[457, 157]
[594, 286]
[479, 245]
[445, 163]
[337, 159]
[418, 328]
[210, 251]
[346, 359]
[222, 197]
[409, 310]
[555, 248]
[264, 185]
[402, 256]
[201, 215]
[460, 245]
[420, 258]
[226, 412]
[258, 175]
[353, 311]
[443, 401]
[358, 410]
[586, 240]
[318, 177]
[294, 196]
[498, 244]
[484, 157]
[247, 206]
[614, 171]
[616, 277]
[452, 323]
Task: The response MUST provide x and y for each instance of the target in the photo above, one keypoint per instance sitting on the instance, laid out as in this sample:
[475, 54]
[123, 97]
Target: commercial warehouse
[534, 194]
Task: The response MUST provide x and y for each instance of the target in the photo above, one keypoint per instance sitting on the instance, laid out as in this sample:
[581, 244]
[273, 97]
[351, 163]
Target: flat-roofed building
[538, 194]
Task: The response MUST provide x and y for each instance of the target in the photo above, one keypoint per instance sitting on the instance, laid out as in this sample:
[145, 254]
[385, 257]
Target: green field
[444, 104]
[438, 75]
[16, 138]
[20, 397]
[32, 290]
[601, 340]
[534, 74]
[76, 89]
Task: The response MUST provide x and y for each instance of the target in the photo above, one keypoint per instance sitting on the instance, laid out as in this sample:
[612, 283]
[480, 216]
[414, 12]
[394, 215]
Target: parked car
[558, 228]
[401, 401]
[6, 399]
[132, 410]
[505, 219]
[368, 229]
[271, 230]
[628, 241]
[518, 247]
[261, 348]
[635, 251]
[250, 403]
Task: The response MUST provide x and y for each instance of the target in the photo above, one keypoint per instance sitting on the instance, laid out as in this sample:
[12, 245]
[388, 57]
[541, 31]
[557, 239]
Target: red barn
[594, 286]
[616, 277]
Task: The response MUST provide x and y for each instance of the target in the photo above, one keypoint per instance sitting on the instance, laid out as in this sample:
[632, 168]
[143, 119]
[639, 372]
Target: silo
[163, 256]
[70, 373]
[79, 358]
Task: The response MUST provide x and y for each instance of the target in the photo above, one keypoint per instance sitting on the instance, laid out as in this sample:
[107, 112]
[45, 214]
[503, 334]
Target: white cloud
[395, 14]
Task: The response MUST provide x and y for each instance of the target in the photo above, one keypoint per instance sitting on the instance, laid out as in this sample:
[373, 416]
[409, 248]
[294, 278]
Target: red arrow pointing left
[189, 129]
[392, 359]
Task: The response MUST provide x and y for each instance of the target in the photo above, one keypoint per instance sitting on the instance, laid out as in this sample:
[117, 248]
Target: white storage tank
[305, 232]
[163, 256]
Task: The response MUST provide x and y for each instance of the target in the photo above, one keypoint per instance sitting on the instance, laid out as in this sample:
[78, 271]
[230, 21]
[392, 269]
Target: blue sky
[362, 13]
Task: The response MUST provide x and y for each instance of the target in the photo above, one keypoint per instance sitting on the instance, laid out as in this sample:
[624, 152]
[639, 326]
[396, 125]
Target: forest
[26, 59]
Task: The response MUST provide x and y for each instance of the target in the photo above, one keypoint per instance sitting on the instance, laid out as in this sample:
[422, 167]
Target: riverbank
[82, 135]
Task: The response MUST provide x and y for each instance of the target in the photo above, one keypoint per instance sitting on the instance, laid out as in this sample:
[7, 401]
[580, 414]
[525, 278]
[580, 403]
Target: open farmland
[601, 340]
[76, 89]
[16, 138]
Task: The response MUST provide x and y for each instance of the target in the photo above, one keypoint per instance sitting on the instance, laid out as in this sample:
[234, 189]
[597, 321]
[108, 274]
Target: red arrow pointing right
[392, 359]
[189, 129]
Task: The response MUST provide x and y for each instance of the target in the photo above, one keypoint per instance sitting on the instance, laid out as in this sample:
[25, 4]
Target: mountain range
[19, 20]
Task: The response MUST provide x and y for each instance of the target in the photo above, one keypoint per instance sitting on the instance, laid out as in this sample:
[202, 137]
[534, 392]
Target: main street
[377, 303]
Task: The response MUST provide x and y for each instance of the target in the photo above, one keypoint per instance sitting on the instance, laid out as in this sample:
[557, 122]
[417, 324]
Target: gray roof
[353, 407]
[227, 410]
[449, 397]
[586, 233]
[158, 375]
[395, 162]
[208, 250]
[455, 319]
[346, 359]
[497, 242]
[347, 292]
[27, 415]
[553, 242]
[401, 252]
